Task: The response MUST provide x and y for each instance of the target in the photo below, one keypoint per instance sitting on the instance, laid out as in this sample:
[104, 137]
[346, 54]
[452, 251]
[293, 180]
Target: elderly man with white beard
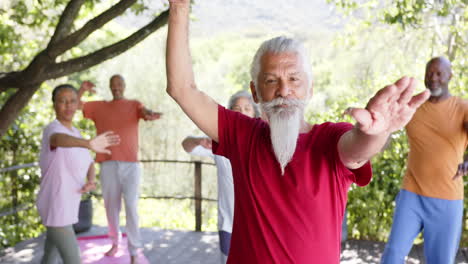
[290, 178]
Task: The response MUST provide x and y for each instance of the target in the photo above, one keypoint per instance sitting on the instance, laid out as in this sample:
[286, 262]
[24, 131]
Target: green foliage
[21, 145]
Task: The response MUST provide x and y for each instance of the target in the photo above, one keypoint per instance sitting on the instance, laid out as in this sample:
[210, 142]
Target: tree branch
[94, 24]
[66, 21]
[9, 80]
[85, 62]
[11, 109]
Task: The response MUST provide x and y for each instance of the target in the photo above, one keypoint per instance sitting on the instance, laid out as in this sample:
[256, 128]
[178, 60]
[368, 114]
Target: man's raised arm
[180, 80]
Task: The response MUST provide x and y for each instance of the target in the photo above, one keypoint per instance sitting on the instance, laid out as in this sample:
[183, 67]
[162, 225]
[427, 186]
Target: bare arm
[90, 180]
[180, 79]
[388, 111]
[85, 86]
[98, 144]
[356, 147]
[189, 143]
[67, 141]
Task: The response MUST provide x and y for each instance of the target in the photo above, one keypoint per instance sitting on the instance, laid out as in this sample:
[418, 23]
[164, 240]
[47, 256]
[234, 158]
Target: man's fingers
[403, 83]
[419, 99]
[383, 96]
[407, 93]
[362, 116]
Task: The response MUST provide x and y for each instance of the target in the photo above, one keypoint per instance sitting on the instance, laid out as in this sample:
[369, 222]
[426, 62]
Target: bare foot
[112, 251]
[133, 259]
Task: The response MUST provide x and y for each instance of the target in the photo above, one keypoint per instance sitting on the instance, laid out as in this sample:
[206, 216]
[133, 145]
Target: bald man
[120, 170]
[431, 198]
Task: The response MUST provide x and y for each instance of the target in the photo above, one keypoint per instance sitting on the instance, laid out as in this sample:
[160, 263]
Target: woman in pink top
[65, 162]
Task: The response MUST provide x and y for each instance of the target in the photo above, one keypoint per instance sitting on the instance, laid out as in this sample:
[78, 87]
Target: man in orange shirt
[120, 171]
[431, 198]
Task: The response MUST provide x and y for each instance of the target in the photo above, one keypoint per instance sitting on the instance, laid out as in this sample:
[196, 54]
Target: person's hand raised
[390, 109]
[88, 86]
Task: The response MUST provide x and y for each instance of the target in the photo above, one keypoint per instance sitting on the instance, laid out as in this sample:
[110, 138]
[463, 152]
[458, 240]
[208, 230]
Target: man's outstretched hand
[150, 115]
[390, 109]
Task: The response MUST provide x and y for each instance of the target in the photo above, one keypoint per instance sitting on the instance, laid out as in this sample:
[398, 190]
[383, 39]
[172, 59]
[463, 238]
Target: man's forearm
[356, 148]
[67, 141]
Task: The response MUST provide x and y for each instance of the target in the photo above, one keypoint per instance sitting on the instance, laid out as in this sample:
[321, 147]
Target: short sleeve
[47, 152]
[363, 175]
[54, 128]
[235, 132]
[139, 106]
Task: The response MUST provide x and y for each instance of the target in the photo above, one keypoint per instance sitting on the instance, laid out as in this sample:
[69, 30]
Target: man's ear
[254, 92]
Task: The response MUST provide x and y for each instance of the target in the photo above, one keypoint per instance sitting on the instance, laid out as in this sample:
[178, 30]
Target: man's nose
[284, 89]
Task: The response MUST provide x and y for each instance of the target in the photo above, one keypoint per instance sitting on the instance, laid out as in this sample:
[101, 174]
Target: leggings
[61, 240]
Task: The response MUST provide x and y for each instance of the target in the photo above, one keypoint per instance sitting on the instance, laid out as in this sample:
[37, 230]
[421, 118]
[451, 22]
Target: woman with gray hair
[241, 102]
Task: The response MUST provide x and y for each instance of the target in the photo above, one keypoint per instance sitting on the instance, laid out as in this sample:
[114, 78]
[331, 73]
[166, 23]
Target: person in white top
[65, 162]
[242, 102]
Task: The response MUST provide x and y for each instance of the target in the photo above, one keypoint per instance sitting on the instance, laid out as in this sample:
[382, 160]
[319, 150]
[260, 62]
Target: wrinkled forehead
[290, 61]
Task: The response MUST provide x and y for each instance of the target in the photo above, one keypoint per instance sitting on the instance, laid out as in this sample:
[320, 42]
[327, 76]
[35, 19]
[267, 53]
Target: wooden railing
[197, 190]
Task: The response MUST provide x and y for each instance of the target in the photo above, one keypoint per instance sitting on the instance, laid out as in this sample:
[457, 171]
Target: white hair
[279, 45]
[243, 94]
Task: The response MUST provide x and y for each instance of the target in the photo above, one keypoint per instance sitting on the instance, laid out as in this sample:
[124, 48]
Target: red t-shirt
[120, 116]
[295, 218]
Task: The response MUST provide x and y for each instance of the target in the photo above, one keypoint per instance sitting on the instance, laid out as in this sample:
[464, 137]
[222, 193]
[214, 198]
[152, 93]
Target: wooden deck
[182, 247]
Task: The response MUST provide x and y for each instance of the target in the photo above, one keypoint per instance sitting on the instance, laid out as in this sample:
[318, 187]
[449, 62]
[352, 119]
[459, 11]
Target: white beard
[285, 123]
[437, 92]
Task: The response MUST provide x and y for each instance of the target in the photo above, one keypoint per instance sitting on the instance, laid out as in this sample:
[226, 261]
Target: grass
[165, 214]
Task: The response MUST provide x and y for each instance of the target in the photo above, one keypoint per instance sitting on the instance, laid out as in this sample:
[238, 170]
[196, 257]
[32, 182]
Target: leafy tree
[38, 41]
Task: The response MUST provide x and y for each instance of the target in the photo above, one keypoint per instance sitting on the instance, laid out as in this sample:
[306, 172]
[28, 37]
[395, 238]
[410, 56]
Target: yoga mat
[93, 249]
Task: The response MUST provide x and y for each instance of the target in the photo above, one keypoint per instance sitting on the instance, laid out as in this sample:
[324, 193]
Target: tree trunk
[14, 104]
